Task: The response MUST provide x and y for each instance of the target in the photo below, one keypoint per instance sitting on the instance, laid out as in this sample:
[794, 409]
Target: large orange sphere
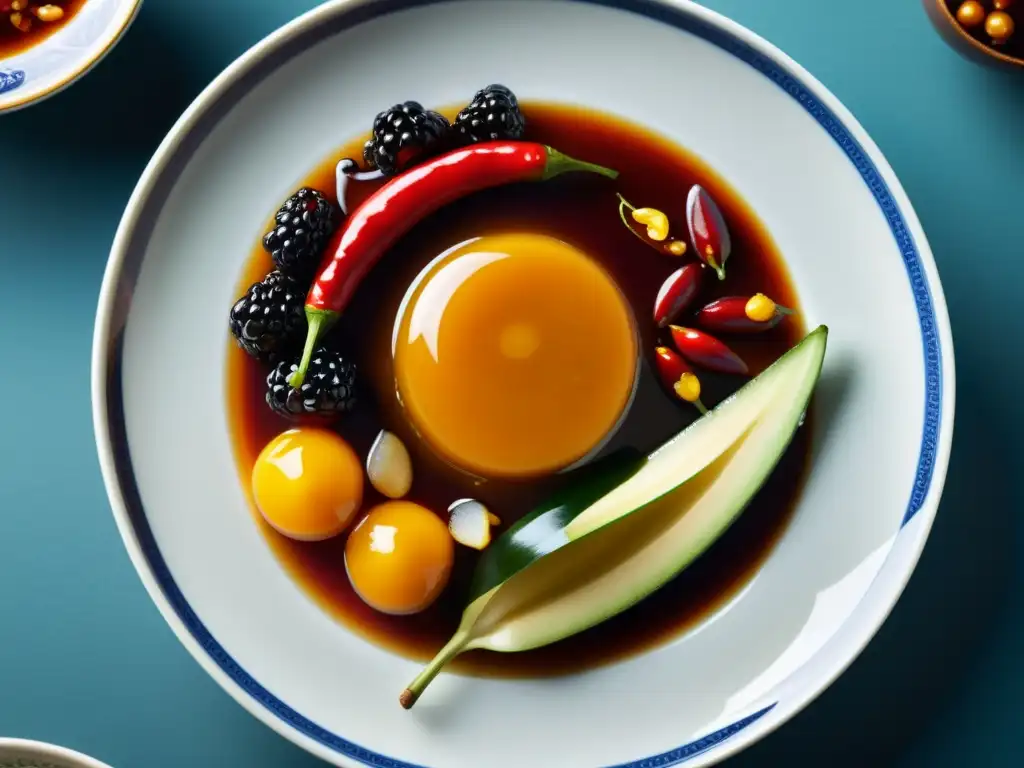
[515, 355]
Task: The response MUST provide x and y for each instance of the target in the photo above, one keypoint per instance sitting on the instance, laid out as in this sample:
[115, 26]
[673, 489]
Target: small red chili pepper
[707, 228]
[706, 351]
[403, 201]
[677, 293]
[677, 377]
[739, 314]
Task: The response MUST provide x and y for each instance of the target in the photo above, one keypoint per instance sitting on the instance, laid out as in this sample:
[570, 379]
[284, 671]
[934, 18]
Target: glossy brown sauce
[13, 40]
[654, 173]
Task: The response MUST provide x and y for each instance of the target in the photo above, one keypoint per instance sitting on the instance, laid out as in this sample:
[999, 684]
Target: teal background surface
[85, 659]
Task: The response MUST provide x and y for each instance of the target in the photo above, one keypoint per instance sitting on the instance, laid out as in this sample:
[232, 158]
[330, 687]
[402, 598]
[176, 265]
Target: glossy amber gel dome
[515, 355]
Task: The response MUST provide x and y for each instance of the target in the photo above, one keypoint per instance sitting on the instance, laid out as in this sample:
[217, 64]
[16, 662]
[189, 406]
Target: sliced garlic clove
[388, 466]
[470, 523]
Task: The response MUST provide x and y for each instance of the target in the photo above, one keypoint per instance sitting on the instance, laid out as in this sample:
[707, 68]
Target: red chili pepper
[706, 351]
[677, 377]
[403, 201]
[741, 314]
[707, 229]
[677, 293]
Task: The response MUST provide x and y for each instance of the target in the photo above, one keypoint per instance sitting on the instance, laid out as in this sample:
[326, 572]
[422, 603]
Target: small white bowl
[21, 753]
[857, 255]
[39, 72]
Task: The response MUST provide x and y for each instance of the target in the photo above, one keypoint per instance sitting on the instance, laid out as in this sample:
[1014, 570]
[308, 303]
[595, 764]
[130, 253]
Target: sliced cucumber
[632, 539]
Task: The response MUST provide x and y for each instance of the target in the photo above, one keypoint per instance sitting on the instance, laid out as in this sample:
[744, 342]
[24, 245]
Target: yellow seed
[677, 247]
[688, 387]
[49, 13]
[1002, 5]
[655, 221]
[20, 22]
[493, 519]
[18, 5]
[760, 308]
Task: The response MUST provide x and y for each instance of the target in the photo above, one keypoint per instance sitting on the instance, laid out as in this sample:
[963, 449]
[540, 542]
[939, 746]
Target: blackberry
[404, 135]
[327, 391]
[492, 114]
[269, 320]
[301, 229]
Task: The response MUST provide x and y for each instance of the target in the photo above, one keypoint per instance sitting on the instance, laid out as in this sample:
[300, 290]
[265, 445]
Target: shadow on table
[924, 652]
[118, 113]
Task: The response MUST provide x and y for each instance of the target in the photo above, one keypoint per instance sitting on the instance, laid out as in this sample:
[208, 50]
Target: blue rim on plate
[288, 47]
[11, 79]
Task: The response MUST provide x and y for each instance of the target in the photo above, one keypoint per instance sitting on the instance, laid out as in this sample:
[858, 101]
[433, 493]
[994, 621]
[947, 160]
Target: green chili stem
[318, 322]
[558, 163]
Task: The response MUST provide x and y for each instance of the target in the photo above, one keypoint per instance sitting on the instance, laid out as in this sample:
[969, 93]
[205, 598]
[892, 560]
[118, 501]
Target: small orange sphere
[308, 484]
[399, 557]
[999, 26]
[1002, 5]
[971, 14]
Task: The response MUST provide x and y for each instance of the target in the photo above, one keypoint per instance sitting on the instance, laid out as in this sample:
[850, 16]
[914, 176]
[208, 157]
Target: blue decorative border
[11, 79]
[698, 747]
[668, 15]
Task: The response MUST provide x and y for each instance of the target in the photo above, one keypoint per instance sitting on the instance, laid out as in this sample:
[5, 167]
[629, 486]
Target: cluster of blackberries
[269, 321]
[407, 133]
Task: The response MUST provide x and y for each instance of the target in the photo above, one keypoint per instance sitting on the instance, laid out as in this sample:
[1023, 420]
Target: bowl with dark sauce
[23, 753]
[984, 31]
[46, 45]
[437, 403]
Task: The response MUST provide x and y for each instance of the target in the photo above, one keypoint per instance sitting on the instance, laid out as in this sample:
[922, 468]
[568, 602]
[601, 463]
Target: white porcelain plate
[857, 255]
[80, 43]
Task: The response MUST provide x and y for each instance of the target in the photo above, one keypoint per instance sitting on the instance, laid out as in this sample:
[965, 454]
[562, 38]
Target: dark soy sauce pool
[581, 210]
[13, 40]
